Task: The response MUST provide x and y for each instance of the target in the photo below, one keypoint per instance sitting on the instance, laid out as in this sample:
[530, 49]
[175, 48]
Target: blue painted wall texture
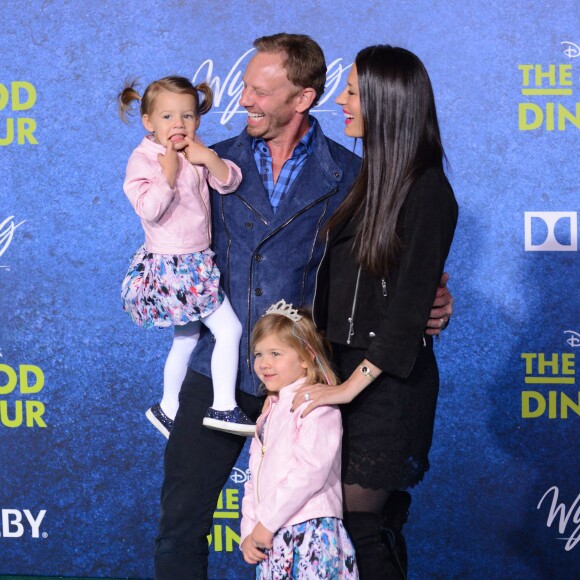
[81, 468]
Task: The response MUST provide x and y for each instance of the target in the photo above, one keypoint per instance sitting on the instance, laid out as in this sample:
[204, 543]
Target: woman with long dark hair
[386, 248]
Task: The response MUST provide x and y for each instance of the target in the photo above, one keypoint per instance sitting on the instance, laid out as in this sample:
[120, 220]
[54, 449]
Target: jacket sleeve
[313, 454]
[430, 216]
[249, 520]
[147, 187]
[232, 182]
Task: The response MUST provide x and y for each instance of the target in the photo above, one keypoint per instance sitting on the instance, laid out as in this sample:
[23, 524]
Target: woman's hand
[252, 555]
[335, 395]
[442, 308]
[319, 395]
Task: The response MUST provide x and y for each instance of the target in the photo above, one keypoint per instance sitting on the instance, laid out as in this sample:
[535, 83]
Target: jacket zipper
[351, 317]
[258, 215]
[316, 278]
[305, 274]
[263, 450]
[270, 235]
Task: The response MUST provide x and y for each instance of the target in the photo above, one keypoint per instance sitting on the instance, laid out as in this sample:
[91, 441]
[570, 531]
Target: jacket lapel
[256, 197]
[309, 187]
[319, 177]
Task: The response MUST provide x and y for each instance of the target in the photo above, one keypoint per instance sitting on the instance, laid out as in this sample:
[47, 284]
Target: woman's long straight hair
[401, 140]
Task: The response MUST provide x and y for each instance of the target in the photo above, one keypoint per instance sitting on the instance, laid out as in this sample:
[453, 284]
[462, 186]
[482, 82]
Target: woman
[386, 249]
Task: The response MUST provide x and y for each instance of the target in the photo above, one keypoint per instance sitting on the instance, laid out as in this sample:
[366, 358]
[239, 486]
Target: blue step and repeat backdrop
[81, 468]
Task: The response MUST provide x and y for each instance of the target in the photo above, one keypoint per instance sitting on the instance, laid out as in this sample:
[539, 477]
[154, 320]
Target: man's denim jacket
[265, 256]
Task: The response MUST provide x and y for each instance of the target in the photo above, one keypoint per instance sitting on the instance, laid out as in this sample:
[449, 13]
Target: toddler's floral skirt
[166, 290]
[318, 548]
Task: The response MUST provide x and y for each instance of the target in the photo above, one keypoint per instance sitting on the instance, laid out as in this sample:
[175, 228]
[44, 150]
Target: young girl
[292, 506]
[172, 279]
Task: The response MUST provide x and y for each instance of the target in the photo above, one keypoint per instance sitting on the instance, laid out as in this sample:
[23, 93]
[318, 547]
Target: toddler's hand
[169, 163]
[196, 153]
[262, 537]
[252, 555]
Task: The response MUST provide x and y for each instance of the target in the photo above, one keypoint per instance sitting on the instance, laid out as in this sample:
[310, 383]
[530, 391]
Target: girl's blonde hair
[173, 84]
[303, 337]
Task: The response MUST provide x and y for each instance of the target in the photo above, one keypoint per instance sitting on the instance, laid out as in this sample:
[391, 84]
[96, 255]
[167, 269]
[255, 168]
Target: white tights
[227, 330]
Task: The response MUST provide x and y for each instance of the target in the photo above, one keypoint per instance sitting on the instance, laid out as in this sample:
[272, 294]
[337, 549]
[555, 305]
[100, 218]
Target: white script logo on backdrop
[566, 515]
[550, 219]
[7, 229]
[13, 525]
[227, 92]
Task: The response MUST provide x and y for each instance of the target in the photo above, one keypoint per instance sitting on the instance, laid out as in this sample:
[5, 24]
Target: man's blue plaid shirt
[291, 168]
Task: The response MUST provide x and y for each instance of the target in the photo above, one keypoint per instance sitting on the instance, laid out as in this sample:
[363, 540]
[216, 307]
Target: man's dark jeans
[198, 462]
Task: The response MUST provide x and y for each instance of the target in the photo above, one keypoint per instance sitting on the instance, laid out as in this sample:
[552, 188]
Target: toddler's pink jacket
[295, 473]
[178, 220]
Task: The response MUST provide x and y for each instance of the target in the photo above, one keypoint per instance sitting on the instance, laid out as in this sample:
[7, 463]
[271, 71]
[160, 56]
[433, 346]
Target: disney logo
[574, 339]
[230, 89]
[572, 50]
[239, 475]
[7, 229]
[564, 514]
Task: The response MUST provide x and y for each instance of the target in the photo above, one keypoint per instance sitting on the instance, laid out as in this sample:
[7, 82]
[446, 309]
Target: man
[267, 244]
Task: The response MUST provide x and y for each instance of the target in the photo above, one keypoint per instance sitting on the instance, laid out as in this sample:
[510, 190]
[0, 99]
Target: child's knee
[236, 330]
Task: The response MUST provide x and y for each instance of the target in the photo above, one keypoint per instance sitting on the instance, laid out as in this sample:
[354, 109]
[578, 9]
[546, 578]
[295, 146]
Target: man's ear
[147, 123]
[305, 99]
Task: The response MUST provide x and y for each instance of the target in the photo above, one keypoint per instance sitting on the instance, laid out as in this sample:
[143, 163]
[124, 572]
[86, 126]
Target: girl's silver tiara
[285, 310]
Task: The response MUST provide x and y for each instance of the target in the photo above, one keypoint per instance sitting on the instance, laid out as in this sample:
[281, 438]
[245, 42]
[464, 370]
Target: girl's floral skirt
[166, 290]
[318, 548]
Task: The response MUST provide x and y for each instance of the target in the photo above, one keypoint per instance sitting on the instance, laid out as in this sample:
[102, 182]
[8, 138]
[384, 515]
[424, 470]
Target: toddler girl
[172, 279]
[292, 506]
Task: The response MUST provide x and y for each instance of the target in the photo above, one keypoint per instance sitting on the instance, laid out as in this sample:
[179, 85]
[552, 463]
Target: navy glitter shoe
[234, 421]
[159, 419]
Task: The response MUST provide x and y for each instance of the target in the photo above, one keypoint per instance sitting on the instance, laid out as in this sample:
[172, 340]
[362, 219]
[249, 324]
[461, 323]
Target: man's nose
[245, 100]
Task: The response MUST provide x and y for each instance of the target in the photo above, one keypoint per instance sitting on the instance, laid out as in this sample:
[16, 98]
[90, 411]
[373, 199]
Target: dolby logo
[551, 231]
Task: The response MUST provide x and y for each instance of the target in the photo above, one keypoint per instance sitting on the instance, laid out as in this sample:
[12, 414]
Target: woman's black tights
[374, 520]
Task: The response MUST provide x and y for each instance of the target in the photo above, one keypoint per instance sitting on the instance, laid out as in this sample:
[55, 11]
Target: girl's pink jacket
[295, 474]
[178, 220]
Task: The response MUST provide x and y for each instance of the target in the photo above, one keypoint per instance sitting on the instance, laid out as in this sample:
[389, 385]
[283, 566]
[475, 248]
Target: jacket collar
[319, 177]
[288, 391]
[283, 395]
[151, 147]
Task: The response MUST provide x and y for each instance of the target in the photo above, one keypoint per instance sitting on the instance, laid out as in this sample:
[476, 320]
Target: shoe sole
[156, 423]
[233, 428]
